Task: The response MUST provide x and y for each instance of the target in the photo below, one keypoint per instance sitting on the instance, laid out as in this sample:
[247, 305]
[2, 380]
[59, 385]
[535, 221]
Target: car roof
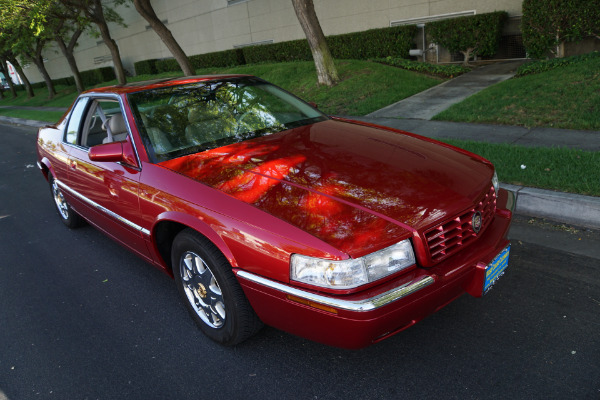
[164, 82]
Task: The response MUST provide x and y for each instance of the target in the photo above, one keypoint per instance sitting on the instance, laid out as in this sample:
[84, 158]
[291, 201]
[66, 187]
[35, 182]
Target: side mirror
[114, 152]
[109, 152]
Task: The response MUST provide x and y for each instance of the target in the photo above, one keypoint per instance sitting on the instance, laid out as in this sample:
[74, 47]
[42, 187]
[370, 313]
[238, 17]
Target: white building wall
[204, 26]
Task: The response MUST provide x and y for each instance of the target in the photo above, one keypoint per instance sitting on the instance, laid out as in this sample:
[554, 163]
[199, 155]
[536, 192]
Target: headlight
[495, 182]
[351, 273]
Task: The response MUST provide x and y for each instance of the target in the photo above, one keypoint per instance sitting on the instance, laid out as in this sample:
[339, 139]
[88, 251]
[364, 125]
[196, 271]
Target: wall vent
[239, 46]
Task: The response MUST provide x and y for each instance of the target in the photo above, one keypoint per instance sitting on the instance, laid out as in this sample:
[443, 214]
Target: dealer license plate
[495, 269]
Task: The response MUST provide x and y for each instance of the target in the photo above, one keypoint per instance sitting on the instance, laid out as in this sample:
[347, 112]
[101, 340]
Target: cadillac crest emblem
[476, 222]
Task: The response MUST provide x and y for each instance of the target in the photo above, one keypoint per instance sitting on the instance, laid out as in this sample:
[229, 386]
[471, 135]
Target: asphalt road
[82, 318]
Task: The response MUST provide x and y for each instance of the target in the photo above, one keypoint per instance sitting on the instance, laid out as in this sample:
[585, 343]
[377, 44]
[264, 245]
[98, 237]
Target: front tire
[210, 290]
[69, 217]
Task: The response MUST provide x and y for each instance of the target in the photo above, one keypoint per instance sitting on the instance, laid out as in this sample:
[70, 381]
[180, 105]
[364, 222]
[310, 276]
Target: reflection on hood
[357, 188]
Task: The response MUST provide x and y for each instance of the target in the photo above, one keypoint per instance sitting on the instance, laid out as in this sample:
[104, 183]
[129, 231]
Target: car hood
[357, 188]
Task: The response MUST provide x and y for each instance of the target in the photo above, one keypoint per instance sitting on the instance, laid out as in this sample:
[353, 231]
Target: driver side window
[104, 123]
[75, 121]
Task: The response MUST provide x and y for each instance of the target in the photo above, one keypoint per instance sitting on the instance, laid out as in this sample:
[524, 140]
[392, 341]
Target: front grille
[449, 237]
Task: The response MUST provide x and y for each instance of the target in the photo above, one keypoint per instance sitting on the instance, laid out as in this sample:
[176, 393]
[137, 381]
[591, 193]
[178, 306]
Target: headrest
[117, 124]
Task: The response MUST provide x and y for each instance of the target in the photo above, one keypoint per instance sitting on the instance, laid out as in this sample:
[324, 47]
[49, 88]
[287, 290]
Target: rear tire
[210, 290]
[69, 217]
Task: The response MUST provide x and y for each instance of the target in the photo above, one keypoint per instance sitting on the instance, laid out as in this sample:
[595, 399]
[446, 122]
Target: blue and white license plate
[495, 269]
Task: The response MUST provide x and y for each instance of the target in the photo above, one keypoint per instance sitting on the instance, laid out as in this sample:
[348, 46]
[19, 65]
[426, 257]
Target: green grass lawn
[566, 170]
[64, 98]
[565, 97]
[47, 116]
[365, 86]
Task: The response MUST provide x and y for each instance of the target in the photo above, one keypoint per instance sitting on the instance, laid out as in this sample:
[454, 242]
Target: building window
[234, 2]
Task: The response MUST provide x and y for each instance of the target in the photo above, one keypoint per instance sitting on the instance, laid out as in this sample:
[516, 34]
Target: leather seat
[118, 128]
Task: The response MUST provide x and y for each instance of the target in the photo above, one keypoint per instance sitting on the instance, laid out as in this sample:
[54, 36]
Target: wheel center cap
[201, 290]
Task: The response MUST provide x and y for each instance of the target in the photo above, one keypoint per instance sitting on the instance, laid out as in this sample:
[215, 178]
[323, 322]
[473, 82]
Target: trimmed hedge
[481, 33]
[548, 23]
[167, 65]
[293, 50]
[535, 67]
[95, 76]
[68, 81]
[219, 59]
[373, 43]
[146, 67]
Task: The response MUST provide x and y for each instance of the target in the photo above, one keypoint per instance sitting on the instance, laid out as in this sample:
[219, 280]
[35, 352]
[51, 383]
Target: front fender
[205, 225]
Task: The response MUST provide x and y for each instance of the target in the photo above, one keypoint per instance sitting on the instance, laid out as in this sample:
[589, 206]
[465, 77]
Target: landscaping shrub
[444, 71]
[548, 23]
[67, 81]
[293, 50]
[146, 67]
[219, 59]
[472, 35]
[373, 43]
[167, 65]
[537, 66]
[95, 76]
[383, 42]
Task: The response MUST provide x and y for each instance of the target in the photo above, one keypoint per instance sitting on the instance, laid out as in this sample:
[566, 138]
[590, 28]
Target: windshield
[180, 120]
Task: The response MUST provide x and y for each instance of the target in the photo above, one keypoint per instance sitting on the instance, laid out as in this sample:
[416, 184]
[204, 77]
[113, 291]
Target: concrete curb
[562, 207]
[568, 208]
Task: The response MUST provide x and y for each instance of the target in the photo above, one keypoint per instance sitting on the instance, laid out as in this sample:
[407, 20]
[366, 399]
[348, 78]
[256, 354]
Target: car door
[107, 190]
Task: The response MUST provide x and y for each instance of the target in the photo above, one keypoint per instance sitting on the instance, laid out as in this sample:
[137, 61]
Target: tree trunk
[326, 71]
[4, 70]
[67, 51]
[13, 60]
[38, 60]
[144, 8]
[99, 20]
[39, 63]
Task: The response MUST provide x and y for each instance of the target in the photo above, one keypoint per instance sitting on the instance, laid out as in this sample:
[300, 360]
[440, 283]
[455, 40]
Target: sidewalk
[562, 207]
[427, 104]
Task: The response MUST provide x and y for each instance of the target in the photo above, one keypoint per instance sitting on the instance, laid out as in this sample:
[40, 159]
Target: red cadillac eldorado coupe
[265, 210]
